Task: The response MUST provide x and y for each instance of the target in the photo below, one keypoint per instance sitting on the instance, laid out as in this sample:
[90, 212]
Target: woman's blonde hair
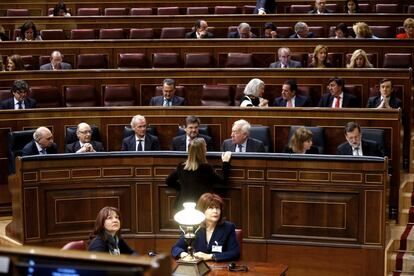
[409, 22]
[317, 49]
[355, 55]
[196, 154]
[362, 30]
[300, 136]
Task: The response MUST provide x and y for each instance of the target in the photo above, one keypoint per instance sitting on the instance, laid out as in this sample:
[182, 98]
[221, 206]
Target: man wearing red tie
[337, 98]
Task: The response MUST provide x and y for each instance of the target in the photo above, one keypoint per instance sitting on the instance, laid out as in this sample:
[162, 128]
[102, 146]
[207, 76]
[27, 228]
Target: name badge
[216, 248]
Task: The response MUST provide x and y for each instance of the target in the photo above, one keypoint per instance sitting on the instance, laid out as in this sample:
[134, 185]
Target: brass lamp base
[196, 267]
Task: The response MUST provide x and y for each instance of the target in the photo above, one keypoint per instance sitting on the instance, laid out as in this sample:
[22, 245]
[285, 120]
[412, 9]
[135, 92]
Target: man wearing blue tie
[168, 97]
[41, 144]
[20, 89]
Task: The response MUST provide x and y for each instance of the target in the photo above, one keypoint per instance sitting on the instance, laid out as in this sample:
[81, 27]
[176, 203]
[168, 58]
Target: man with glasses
[140, 140]
[19, 100]
[336, 97]
[85, 142]
[240, 140]
[284, 60]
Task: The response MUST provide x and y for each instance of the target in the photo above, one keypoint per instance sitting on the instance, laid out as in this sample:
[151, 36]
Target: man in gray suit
[168, 97]
[240, 140]
[284, 60]
[56, 63]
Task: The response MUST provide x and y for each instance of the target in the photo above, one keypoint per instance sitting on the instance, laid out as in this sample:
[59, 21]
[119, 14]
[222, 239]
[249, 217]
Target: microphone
[152, 253]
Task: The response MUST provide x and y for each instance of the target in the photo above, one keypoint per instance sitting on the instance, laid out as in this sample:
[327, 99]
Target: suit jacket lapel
[147, 142]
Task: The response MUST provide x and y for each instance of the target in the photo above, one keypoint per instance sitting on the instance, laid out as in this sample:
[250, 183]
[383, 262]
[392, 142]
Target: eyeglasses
[21, 91]
[85, 132]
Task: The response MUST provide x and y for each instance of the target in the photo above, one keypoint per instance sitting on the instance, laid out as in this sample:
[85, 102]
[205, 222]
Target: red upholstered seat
[75, 245]
[383, 31]
[387, 8]
[197, 10]
[82, 34]
[29, 63]
[168, 11]
[141, 11]
[300, 8]
[239, 94]
[248, 9]
[111, 33]
[118, 95]
[397, 60]
[201, 60]
[46, 96]
[319, 31]
[92, 61]
[43, 60]
[80, 96]
[284, 32]
[116, 11]
[216, 95]
[5, 93]
[17, 12]
[52, 34]
[365, 7]
[410, 9]
[173, 32]
[145, 33]
[333, 7]
[225, 10]
[239, 60]
[132, 60]
[166, 60]
[89, 11]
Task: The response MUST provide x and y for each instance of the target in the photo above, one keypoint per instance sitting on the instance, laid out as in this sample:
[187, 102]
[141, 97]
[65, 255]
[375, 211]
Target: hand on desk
[203, 256]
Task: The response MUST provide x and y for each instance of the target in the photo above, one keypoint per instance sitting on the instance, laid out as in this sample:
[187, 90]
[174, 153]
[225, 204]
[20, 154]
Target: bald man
[56, 63]
[85, 143]
[41, 144]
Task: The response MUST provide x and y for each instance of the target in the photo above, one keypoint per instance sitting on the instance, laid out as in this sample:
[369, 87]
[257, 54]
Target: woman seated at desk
[216, 239]
[106, 236]
[301, 142]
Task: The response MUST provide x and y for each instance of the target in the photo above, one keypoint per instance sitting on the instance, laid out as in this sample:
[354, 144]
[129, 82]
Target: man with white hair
[42, 143]
[284, 60]
[243, 31]
[85, 142]
[302, 31]
[140, 140]
[240, 140]
[56, 63]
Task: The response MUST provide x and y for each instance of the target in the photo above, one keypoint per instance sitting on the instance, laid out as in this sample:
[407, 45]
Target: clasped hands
[87, 147]
[200, 255]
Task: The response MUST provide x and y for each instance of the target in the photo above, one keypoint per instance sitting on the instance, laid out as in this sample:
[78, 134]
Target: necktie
[139, 148]
[386, 103]
[338, 101]
[289, 103]
[240, 148]
[356, 151]
[167, 102]
[43, 151]
[20, 104]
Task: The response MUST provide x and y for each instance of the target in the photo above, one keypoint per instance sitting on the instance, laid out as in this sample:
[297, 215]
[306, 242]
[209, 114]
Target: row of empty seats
[206, 60]
[197, 94]
[246, 9]
[179, 32]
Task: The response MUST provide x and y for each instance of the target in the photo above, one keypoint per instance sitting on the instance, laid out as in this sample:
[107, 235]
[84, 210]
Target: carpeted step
[405, 261]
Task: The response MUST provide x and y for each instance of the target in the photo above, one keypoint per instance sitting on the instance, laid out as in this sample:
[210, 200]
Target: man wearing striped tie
[41, 144]
[168, 97]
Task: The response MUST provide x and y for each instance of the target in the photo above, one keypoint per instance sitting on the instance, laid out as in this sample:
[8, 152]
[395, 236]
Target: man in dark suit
[85, 143]
[243, 31]
[42, 143]
[284, 60]
[240, 140]
[265, 7]
[386, 99]
[141, 140]
[181, 142]
[289, 97]
[320, 8]
[56, 63]
[200, 30]
[336, 98]
[20, 100]
[168, 97]
[355, 145]
[302, 31]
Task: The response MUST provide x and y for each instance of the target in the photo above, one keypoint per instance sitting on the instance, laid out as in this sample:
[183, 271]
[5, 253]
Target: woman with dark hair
[216, 239]
[195, 176]
[351, 6]
[341, 31]
[15, 63]
[301, 142]
[28, 32]
[106, 236]
[3, 36]
[60, 10]
[320, 57]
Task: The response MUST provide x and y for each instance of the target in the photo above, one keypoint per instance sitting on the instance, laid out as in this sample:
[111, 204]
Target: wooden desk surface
[255, 268]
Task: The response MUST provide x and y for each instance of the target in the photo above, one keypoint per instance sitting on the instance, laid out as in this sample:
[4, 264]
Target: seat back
[365, 7]
[262, 133]
[50, 34]
[75, 245]
[141, 11]
[387, 8]
[16, 142]
[200, 60]
[239, 238]
[43, 60]
[284, 32]
[333, 7]
[197, 10]
[318, 137]
[202, 129]
[144, 33]
[117, 33]
[118, 95]
[383, 31]
[89, 12]
[397, 60]
[46, 96]
[216, 95]
[132, 60]
[166, 60]
[92, 61]
[377, 135]
[17, 12]
[300, 8]
[28, 62]
[248, 9]
[168, 11]
[80, 96]
[71, 137]
[172, 32]
[116, 11]
[5, 93]
[410, 9]
[82, 34]
[239, 60]
[225, 10]
[318, 31]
